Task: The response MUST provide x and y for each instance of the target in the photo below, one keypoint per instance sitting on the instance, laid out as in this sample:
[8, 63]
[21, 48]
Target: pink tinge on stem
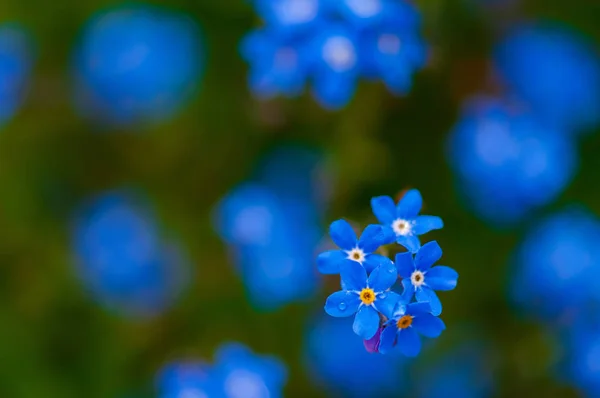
[372, 345]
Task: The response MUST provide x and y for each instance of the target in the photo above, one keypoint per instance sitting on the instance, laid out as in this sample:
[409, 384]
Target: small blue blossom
[405, 325]
[360, 13]
[137, 64]
[15, 68]
[289, 17]
[241, 373]
[185, 379]
[403, 220]
[353, 249]
[556, 71]
[367, 297]
[420, 278]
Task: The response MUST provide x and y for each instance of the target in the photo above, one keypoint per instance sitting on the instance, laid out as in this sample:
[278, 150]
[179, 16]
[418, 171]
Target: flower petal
[372, 238]
[441, 278]
[408, 292]
[373, 261]
[388, 338]
[405, 264]
[366, 322]
[428, 255]
[372, 344]
[353, 276]
[426, 295]
[341, 304]
[409, 342]
[342, 234]
[424, 224]
[411, 242]
[386, 303]
[428, 325]
[384, 209]
[410, 204]
[329, 262]
[417, 309]
[383, 277]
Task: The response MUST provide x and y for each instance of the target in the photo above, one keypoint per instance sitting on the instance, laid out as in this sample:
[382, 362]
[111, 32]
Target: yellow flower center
[367, 296]
[404, 322]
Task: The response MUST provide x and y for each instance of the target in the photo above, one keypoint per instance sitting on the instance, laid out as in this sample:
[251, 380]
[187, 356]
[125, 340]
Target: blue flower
[360, 13]
[277, 65]
[405, 325]
[556, 71]
[137, 64]
[289, 17]
[241, 373]
[559, 257]
[583, 355]
[122, 259]
[15, 68]
[185, 379]
[507, 162]
[365, 297]
[337, 65]
[336, 361]
[403, 220]
[420, 278]
[353, 249]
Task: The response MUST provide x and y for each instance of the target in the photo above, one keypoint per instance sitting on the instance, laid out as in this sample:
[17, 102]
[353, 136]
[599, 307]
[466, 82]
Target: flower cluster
[384, 318]
[332, 44]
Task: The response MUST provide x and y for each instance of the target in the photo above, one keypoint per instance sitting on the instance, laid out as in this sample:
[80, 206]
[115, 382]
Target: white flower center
[297, 11]
[364, 8]
[389, 44]
[417, 278]
[356, 254]
[338, 52]
[244, 384]
[402, 227]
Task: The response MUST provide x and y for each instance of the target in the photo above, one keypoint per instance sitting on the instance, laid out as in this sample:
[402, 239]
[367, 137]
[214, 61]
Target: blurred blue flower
[137, 64]
[558, 258]
[404, 326]
[463, 373]
[361, 13]
[336, 359]
[556, 71]
[121, 258]
[353, 249]
[506, 162]
[240, 373]
[16, 59]
[289, 17]
[272, 244]
[403, 220]
[367, 297]
[186, 379]
[420, 278]
[583, 355]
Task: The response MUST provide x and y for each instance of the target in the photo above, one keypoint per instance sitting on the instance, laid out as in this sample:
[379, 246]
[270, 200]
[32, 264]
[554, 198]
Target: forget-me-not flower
[352, 249]
[364, 296]
[185, 379]
[405, 325]
[403, 219]
[422, 279]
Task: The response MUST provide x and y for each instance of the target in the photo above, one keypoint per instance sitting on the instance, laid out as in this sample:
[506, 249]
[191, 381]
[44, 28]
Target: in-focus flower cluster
[237, 372]
[332, 43]
[383, 317]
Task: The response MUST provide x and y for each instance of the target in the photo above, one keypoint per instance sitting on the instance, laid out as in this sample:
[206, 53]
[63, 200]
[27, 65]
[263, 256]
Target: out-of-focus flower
[421, 279]
[556, 71]
[404, 326]
[240, 373]
[137, 64]
[506, 162]
[353, 249]
[332, 44]
[583, 355]
[403, 220]
[460, 373]
[559, 257]
[367, 297]
[16, 61]
[122, 259]
[336, 359]
[185, 379]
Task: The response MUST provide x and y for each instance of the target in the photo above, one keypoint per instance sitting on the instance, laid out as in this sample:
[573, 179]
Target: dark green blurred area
[55, 342]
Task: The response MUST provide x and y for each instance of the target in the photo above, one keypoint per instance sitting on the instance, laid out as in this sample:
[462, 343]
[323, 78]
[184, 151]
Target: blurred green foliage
[55, 342]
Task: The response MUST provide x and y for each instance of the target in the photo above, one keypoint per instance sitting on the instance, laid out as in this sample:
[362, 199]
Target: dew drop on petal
[342, 306]
[382, 296]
